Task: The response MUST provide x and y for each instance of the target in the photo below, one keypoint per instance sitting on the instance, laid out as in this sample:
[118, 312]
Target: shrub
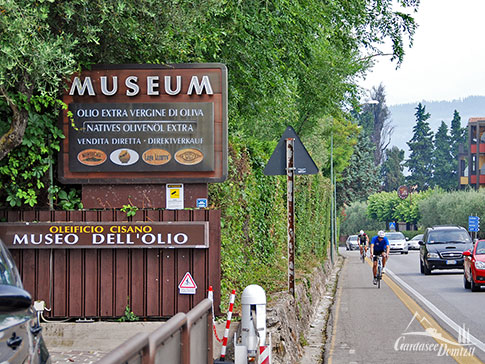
[357, 219]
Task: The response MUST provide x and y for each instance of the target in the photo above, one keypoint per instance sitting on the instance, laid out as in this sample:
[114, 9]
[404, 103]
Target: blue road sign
[201, 203]
[392, 226]
[473, 223]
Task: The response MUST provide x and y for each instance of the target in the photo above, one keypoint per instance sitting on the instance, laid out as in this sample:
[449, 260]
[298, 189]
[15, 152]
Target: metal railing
[184, 339]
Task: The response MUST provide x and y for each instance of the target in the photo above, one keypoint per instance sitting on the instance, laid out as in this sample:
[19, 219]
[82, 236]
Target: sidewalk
[70, 342]
[86, 343]
[370, 325]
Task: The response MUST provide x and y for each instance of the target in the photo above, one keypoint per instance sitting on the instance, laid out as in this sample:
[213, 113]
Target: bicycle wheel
[363, 256]
[379, 275]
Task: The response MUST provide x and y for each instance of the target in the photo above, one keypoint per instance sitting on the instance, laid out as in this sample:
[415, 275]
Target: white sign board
[175, 196]
[187, 284]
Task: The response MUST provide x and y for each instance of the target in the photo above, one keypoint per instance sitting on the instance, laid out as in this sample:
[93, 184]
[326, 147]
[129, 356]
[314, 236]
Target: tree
[356, 219]
[443, 175]
[420, 163]
[361, 178]
[458, 134]
[376, 120]
[290, 63]
[458, 138]
[278, 54]
[392, 169]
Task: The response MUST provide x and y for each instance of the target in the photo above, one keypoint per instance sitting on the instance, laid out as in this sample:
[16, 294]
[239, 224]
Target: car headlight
[433, 255]
[479, 265]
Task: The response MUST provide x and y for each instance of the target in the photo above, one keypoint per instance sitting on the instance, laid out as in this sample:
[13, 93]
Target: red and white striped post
[210, 295]
[228, 324]
[264, 354]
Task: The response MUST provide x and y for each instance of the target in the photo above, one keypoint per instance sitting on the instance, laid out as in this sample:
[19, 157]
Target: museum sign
[145, 124]
[193, 234]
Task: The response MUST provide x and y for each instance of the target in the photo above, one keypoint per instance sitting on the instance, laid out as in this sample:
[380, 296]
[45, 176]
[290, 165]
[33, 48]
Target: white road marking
[436, 310]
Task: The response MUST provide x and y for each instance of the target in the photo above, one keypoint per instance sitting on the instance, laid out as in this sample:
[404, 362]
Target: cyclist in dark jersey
[379, 245]
[363, 240]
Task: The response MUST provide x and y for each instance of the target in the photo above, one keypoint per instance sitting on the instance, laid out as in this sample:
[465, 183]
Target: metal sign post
[290, 158]
[290, 187]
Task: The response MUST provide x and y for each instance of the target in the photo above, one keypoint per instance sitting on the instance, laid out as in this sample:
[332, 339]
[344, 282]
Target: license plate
[451, 262]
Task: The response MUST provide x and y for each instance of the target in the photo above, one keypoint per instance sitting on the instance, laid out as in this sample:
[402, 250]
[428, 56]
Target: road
[412, 318]
[445, 290]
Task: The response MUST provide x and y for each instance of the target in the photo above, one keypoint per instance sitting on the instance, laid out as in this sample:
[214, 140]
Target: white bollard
[252, 342]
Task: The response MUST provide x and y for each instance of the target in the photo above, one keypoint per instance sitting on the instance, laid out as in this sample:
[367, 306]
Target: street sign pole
[335, 233]
[290, 158]
[332, 217]
[290, 186]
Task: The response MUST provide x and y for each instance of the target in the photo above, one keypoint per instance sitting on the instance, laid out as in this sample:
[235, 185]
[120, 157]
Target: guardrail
[184, 339]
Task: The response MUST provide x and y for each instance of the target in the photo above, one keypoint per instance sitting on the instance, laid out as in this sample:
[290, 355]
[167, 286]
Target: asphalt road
[395, 324]
[444, 289]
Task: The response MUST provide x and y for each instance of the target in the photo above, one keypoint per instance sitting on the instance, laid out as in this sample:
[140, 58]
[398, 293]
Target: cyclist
[379, 245]
[363, 239]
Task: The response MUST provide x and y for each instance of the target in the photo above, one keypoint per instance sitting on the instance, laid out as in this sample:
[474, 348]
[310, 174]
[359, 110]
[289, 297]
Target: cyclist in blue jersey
[379, 245]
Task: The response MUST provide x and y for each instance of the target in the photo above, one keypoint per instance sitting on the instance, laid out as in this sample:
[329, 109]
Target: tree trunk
[13, 137]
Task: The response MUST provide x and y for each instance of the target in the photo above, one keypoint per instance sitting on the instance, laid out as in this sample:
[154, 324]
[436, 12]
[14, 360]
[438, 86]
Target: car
[413, 244]
[397, 241]
[442, 247]
[21, 338]
[474, 266]
[352, 243]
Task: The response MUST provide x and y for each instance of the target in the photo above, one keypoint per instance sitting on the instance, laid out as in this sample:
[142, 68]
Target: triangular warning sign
[187, 282]
[303, 163]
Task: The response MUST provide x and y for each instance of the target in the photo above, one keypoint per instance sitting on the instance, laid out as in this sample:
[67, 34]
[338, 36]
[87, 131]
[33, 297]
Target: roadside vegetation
[424, 209]
[254, 230]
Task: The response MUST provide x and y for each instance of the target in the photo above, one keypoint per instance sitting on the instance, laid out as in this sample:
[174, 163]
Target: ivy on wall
[254, 231]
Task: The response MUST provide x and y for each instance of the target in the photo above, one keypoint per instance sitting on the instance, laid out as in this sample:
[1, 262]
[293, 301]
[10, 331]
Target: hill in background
[403, 118]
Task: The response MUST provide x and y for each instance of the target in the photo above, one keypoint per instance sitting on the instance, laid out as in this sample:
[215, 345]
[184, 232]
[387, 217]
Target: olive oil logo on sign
[189, 156]
[124, 157]
[92, 157]
[156, 156]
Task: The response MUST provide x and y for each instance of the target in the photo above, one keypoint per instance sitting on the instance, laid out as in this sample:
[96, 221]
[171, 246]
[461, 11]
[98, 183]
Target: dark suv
[442, 247]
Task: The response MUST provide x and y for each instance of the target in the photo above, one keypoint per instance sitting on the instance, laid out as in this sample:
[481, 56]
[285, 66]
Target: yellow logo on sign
[174, 193]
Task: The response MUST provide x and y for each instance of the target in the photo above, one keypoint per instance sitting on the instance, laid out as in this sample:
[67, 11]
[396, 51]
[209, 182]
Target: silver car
[414, 242]
[352, 242]
[20, 332]
[398, 242]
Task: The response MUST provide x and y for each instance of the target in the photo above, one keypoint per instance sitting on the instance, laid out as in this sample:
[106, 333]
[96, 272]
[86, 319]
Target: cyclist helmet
[361, 232]
[381, 234]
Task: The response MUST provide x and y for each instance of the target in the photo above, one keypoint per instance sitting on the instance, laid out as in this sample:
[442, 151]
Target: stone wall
[289, 319]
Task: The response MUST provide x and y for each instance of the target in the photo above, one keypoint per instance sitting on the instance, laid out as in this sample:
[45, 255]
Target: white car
[398, 242]
[352, 243]
[414, 242]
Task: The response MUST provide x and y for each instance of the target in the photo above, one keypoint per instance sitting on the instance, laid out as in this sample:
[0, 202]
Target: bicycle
[362, 253]
[379, 271]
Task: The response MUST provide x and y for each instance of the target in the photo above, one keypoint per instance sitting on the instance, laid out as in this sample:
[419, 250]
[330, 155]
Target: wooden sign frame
[109, 131]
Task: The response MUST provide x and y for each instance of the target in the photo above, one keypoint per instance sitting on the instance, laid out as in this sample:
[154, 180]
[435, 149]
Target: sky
[447, 60]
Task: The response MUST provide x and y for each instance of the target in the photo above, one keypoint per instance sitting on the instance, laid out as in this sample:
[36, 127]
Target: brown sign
[194, 234]
[145, 124]
[403, 192]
